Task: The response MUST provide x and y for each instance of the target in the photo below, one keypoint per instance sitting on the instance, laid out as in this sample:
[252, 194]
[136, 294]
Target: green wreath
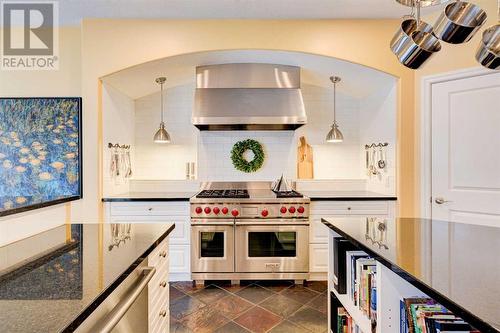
[240, 163]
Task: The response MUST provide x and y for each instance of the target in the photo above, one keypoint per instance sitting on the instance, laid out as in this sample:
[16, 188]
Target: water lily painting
[40, 152]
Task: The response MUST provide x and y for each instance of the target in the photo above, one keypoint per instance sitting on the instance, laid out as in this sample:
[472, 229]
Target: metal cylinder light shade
[488, 53]
[458, 22]
[417, 49]
[406, 28]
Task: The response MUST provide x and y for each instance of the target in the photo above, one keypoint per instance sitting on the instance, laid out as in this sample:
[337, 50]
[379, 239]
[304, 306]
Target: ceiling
[72, 11]
[357, 81]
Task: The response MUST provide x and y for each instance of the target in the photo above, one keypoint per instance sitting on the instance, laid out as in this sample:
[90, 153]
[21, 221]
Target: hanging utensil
[367, 152]
[381, 159]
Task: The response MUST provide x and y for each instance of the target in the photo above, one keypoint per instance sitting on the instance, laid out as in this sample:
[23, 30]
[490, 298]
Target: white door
[466, 150]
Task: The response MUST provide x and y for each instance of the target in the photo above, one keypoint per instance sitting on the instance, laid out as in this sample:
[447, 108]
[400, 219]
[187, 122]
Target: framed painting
[40, 152]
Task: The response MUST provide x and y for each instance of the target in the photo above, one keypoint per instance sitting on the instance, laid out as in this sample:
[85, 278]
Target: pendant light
[161, 135]
[335, 135]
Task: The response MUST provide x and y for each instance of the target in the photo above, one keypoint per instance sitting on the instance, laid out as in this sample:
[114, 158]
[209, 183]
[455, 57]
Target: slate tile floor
[253, 306]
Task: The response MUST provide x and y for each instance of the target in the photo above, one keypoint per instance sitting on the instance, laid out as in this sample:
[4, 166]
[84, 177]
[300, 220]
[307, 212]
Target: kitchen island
[55, 280]
[454, 264]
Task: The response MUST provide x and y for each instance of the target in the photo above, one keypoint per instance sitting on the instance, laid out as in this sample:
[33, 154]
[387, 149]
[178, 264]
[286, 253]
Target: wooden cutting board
[305, 166]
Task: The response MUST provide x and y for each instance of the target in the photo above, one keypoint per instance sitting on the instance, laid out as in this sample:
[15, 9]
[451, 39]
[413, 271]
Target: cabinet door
[318, 258]
[318, 232]
[180, 259]
[182, 232]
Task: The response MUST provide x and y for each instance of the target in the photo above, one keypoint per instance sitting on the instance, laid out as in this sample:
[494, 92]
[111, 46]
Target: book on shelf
[424, 315]
[340, 247]
[351, 257]
[345, 323]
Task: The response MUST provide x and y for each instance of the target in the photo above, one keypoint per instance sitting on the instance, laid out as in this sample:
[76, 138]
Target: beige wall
[112, 45]
[64, 82]
[450, 58]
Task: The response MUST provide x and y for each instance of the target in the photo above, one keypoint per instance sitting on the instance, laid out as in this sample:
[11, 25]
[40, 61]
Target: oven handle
[211, 223]
[110, 321]
[301, 221]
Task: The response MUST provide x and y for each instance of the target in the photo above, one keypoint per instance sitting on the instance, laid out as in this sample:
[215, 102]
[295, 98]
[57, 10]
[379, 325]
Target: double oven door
[247, 246]
[212, 247]
[271, 246]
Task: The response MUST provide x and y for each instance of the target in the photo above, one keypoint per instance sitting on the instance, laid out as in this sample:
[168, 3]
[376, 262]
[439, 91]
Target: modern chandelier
[416, 41]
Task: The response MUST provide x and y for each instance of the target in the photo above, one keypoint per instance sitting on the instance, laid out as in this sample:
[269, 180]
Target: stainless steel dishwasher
[125, 310]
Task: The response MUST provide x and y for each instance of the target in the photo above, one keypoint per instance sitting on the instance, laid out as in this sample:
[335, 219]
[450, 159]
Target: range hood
[248, 96]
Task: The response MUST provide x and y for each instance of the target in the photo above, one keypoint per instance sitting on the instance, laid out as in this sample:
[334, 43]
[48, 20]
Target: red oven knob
[301, 210]
[198, 210]
[235, 212]
[207, 210]
[283, 210]
[225, 210]
[291, 209]
[265, 212]
[216, 210]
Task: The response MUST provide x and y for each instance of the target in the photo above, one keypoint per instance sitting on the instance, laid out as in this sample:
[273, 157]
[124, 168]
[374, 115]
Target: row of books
[424, 315]
[362, 283]
[345, 323]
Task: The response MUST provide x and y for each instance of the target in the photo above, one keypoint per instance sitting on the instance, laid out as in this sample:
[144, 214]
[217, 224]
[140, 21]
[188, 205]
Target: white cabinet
[158, 289]
[176, 212]
[318, 259]
[318, 232]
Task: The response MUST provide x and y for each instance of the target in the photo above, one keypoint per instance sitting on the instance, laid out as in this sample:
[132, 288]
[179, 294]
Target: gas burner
[225, 194]
[288, 194]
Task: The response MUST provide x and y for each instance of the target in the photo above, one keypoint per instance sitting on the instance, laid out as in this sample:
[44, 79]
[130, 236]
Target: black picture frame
[40, 205]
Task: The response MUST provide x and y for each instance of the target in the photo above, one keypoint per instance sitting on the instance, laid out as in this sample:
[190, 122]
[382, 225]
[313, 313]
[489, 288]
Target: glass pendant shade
[335, 135]
[162, 135]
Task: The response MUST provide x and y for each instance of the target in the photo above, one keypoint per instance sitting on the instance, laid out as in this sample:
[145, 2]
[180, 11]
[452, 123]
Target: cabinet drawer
[149, 209]
[318, 258]
[159, 256]
[325, 208]
[370, 208]
[180, 259]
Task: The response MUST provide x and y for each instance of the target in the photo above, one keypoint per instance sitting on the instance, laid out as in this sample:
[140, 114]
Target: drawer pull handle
[163, 284]
[150, 208]
[163, 254]
[163, 313]
[348, 208]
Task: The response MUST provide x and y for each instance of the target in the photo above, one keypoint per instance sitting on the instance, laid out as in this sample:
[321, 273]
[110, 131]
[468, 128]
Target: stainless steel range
[243, 230]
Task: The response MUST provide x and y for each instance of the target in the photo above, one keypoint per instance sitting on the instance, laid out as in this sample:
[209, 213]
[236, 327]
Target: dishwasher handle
[114, 316]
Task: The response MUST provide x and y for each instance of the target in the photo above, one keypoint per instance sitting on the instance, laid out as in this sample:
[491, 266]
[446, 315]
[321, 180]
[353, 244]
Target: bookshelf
[395, 284]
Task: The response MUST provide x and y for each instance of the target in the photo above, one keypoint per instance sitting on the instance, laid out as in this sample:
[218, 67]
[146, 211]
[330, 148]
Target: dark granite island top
[456, 264]
[52, 281]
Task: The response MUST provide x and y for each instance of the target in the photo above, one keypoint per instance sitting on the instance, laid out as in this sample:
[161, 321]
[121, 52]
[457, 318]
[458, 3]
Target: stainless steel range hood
[248, 97]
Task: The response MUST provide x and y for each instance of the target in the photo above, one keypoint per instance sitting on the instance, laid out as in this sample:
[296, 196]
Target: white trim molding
[426, 129]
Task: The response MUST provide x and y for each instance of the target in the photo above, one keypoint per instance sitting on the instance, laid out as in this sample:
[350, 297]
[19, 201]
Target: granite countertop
[185, 196]
[52, 281]
[347, 195]
[456, 264]
[150, 196]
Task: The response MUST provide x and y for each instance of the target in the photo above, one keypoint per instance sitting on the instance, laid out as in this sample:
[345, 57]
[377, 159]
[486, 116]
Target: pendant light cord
[161, 101]
[335, 102]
